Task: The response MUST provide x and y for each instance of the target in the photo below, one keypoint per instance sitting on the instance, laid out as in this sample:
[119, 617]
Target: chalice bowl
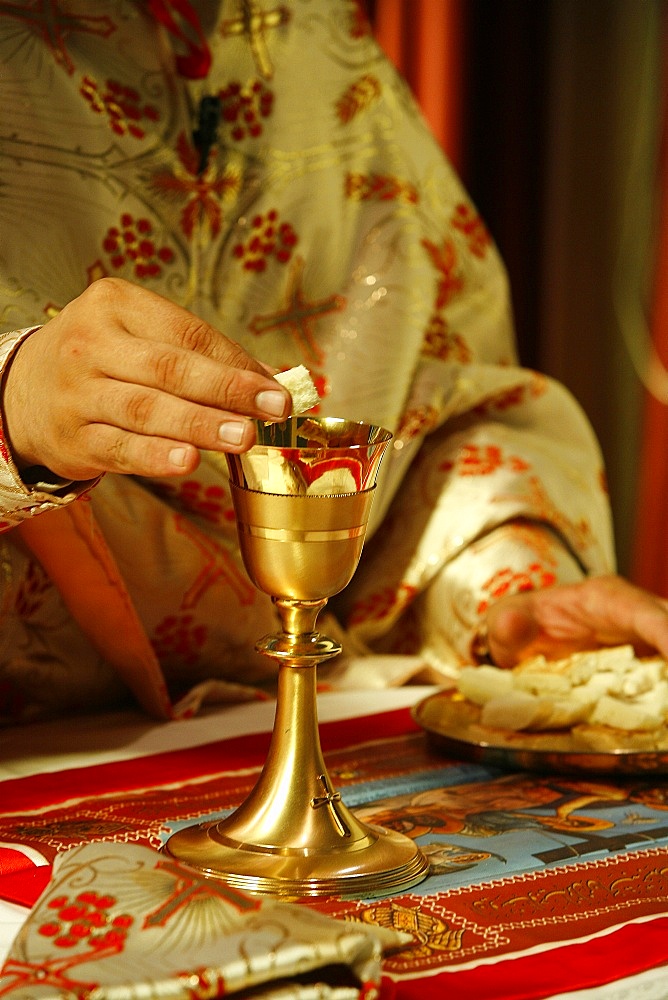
[302, 497]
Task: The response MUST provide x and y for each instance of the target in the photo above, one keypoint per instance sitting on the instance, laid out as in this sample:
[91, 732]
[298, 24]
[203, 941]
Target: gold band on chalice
[302, 498]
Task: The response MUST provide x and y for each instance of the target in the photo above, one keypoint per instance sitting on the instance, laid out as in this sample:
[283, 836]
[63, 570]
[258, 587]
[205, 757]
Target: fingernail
[231, 432]
[177, 457]
[271, 402]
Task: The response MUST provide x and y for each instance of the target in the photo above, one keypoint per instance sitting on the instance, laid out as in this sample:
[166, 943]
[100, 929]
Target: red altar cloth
[540, 884]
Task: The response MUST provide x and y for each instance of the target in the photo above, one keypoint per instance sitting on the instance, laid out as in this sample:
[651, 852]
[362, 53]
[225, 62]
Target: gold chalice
[302, 497]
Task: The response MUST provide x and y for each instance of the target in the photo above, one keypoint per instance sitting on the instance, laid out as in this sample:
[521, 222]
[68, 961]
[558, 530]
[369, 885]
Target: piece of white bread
[300, 385]
[607, 687]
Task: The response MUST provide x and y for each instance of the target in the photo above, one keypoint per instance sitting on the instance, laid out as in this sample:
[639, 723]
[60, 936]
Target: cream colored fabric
[120, 921]
[326, 230]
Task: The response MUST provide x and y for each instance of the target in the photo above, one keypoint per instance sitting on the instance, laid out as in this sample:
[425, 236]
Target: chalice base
[380, 864]
[293, 835]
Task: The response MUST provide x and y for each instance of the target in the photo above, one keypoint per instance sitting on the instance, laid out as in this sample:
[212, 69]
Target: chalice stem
[298, 618]
[294, 804]
[295, 736]
[295, 769]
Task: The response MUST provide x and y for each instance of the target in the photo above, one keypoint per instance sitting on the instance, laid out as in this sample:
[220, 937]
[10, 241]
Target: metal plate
[453, 727]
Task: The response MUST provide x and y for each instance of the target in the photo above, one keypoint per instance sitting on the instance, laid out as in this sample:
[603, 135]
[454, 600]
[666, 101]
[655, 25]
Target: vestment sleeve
[20, 499]
[499, 487]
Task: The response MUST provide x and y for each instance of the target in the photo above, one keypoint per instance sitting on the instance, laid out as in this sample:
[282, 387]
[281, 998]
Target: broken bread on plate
[611, 688]
[300, 385]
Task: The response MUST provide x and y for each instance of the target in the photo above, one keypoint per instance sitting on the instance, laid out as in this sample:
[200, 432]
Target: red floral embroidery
[87, 919]
[132, 244]
[508, 581]
[243, 108]
[382, 604]
[210, 502]
[384, 187]
[32, 588]
[467, 221]
[417, 421]
[440, 343]
[179, 636]
[4, 450]
[268, 239]
[504, 400]
[444, 259]
[121, 106]
[477, 460]
[359, 96]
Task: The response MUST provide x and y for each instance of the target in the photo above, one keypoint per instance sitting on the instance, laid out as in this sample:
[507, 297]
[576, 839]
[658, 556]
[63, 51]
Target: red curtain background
[537, 105]
[650, 552]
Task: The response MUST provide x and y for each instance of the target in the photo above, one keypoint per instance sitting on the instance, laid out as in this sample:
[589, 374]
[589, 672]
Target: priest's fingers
[85, 368]
[188, 375]
[151, 317]
[125, 452]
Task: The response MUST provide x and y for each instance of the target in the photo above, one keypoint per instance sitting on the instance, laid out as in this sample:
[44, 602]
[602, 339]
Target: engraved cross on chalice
[302, 497]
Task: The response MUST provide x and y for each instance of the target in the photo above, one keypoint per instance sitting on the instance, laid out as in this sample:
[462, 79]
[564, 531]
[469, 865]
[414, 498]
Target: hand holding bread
[597, 612]
[583, 657]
